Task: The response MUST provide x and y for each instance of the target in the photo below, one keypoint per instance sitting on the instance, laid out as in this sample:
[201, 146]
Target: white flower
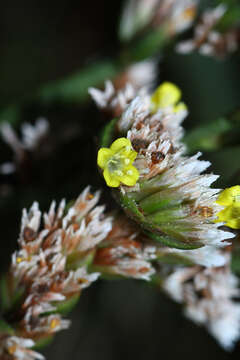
[206, 256]
[19, 348]
[31, 135]
[111, 99]
[208, 297]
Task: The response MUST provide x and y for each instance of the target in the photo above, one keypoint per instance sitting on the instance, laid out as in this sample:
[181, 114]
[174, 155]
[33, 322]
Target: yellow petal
[131, 176]
[166, 95]
[110, 179]
[233, 223]
[180, 107]
[120, 143]
[103, 155]
[229, 196]
[129, 156]
[231, 216]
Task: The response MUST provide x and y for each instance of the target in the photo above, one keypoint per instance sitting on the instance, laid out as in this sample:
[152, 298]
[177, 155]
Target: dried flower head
[51, 266]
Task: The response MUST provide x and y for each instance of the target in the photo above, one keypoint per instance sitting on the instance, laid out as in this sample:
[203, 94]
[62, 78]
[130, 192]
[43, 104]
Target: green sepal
[160, 200]
[129, 205]
[78, 259]
[173, 242]
[173, 259]
[40, 344]
[149, 187]
[156, 280]
[66, 307]
[165, 216]
[63, 307]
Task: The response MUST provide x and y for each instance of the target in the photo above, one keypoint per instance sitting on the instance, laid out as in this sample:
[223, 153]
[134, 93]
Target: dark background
[42, 41]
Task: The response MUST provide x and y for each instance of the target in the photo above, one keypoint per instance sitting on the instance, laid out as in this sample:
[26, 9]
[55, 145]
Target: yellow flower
[230, 199]
[116, 163]
[167, 95]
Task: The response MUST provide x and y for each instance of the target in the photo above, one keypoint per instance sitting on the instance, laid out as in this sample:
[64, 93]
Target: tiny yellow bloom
[167, 95]
[230, 199]
[116, 163]
[54, 323]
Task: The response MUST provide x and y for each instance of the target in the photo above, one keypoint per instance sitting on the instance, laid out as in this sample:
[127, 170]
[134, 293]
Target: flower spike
[168, 196]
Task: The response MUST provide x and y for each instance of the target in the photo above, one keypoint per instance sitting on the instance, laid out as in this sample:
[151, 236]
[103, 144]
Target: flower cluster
[24, 147]
[111, 100]
[174, 16]
[208, 297]
[171, 200]
[51, 269]
[13, 347]
[181, 215]
[126, 252]
[171, 228]
[208, 40]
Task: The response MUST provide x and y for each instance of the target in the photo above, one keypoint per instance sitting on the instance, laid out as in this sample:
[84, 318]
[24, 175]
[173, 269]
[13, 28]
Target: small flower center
[54, 323]
[236, 198]
[116, 163]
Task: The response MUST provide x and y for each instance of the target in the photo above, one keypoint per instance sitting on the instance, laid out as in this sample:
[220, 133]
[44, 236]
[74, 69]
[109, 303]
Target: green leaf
[231, 17]
[207, 137]
[10, 114]
[4, 298]
[148, 45]
[5, 327]
[226, 162]
[75, 88]
[78, 259]
[235, 263]
[107, 135]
